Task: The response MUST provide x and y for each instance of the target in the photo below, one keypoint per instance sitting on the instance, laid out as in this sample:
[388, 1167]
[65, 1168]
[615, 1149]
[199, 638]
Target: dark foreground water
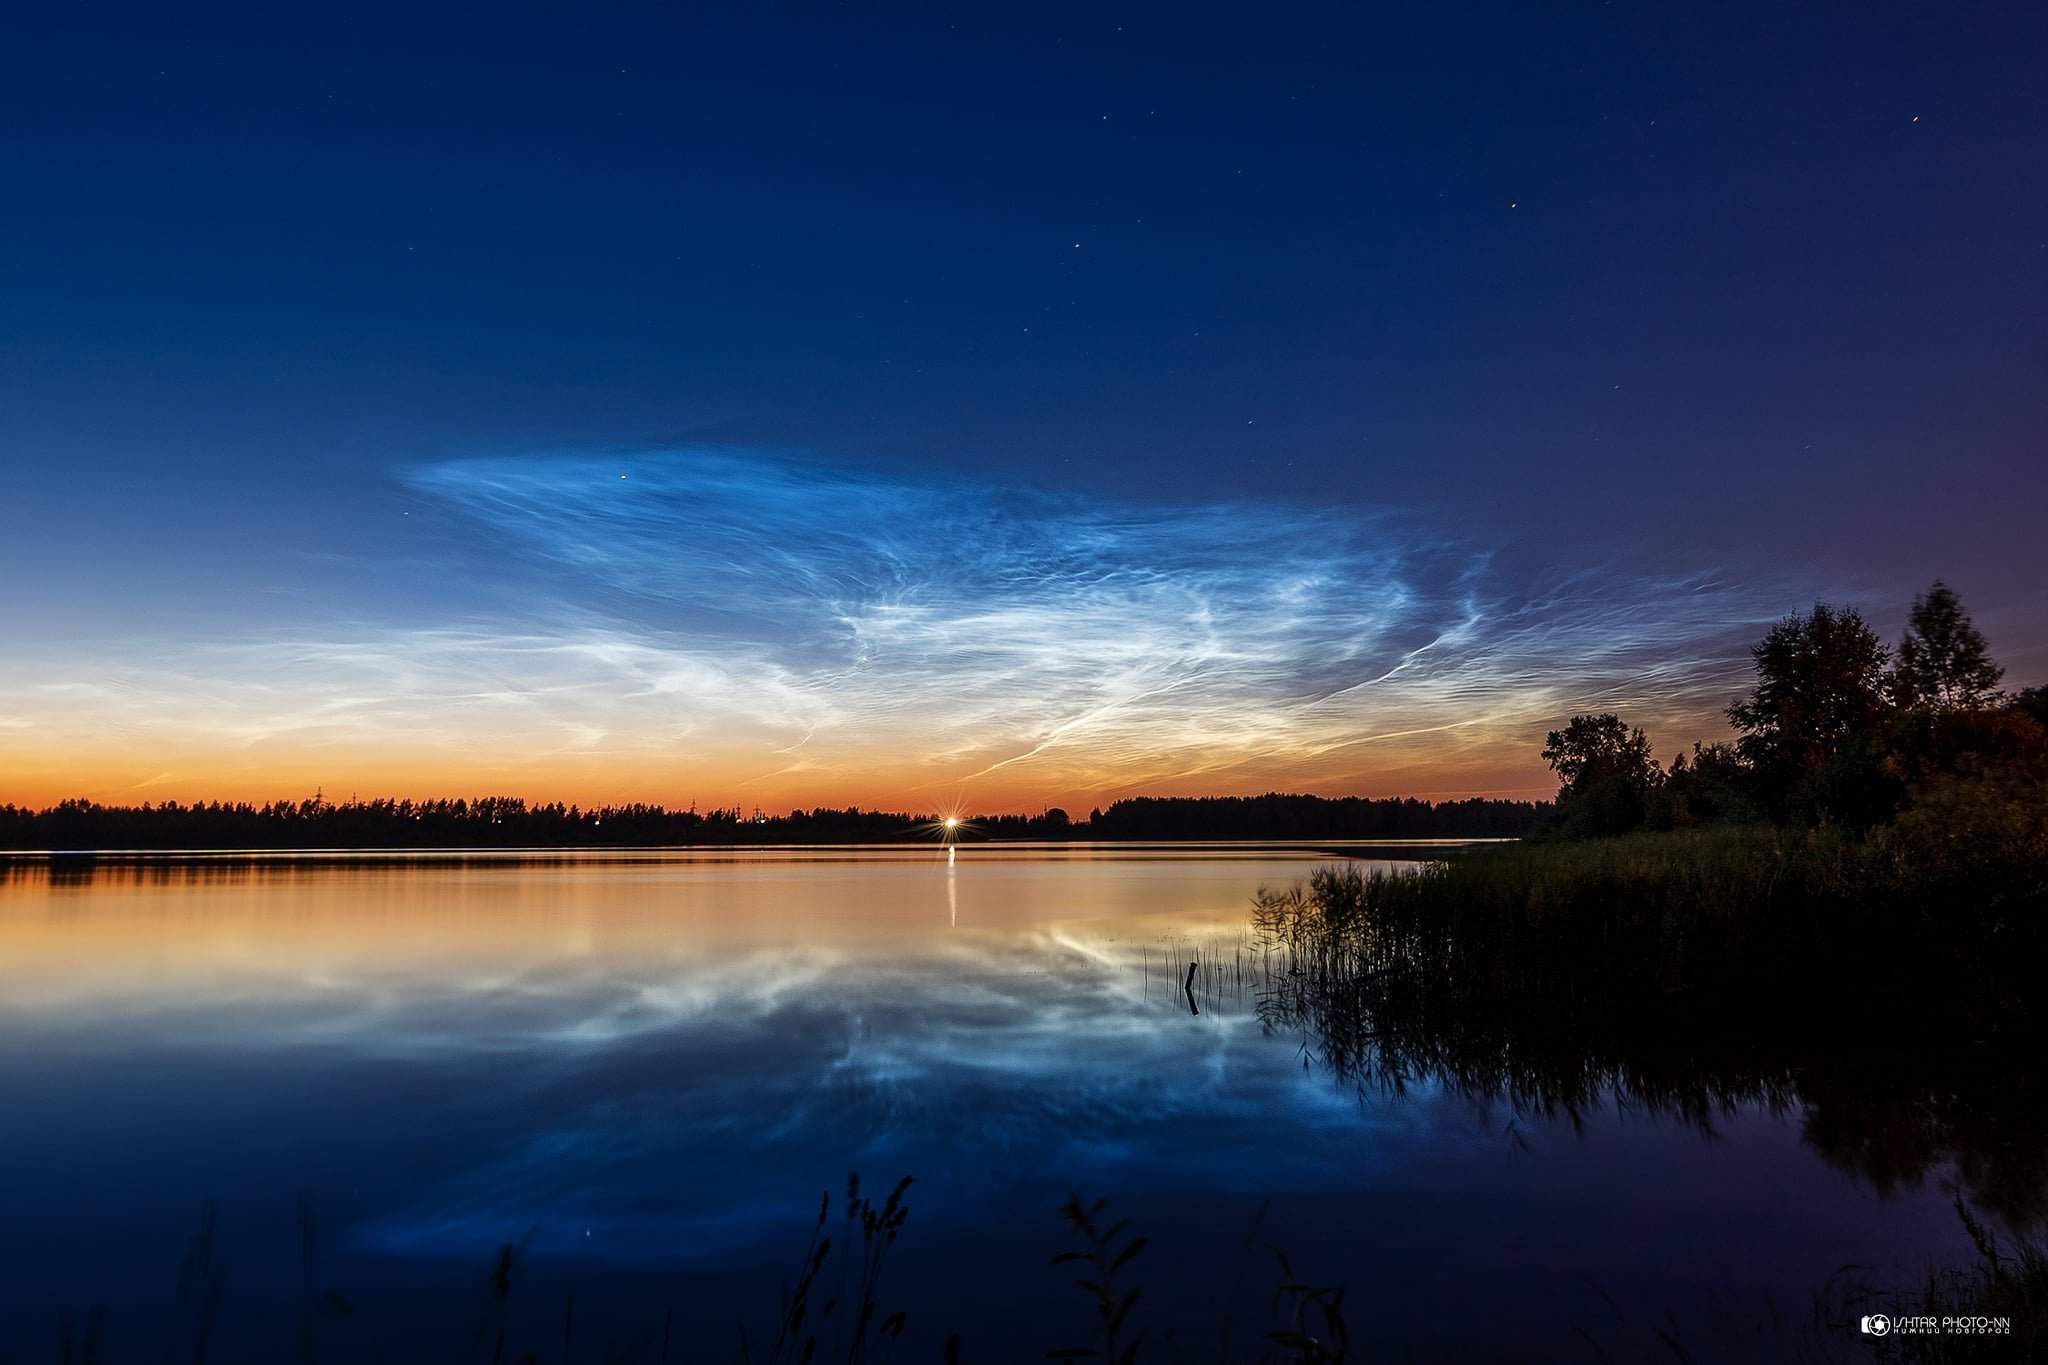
[647, 1067]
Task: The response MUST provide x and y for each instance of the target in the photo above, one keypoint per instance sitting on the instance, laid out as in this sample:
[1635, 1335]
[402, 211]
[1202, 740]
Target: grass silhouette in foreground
[1307, 1322]
[854, 1326]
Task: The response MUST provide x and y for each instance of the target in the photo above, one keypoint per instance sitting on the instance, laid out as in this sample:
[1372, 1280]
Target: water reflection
[652, 1062]
[1896, 1118]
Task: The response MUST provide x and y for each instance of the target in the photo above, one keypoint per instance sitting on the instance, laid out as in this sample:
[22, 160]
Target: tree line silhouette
[1838, 730]
[1276, 816]
[513, 822]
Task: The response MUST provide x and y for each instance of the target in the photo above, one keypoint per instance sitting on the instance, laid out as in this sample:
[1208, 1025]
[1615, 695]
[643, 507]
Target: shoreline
[1396, 849]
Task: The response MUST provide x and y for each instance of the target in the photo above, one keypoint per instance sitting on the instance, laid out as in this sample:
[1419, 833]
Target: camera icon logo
[1877, 1325]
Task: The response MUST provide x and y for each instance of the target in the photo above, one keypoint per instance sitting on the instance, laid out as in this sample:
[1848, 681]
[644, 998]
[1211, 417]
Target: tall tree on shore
[1944, 662]
[1607, 772]
[1821, 691]
[1596, 747]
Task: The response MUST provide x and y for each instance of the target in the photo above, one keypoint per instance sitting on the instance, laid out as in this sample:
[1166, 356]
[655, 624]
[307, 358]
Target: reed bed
[1744, 929]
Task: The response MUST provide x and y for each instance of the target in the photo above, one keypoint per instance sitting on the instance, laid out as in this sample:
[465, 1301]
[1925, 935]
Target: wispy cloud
[807, 628]
[980, 630]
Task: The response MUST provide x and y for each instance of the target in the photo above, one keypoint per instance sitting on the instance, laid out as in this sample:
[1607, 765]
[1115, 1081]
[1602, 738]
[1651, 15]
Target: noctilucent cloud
[760, 623]
[990, 409]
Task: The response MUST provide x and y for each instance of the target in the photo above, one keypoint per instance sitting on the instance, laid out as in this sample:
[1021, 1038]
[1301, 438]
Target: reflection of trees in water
[1892, 1116]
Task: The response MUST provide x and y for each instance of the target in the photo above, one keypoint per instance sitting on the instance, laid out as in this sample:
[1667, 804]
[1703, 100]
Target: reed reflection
[1391, 1013]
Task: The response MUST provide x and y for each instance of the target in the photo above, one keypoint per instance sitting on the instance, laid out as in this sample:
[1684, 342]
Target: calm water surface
[650, 1065]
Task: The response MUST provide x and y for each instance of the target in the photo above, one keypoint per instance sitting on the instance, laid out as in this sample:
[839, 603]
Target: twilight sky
[1001, 406]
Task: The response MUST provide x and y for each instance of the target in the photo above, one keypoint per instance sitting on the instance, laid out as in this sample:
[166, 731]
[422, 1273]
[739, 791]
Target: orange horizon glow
[38, 781]
[773, 803]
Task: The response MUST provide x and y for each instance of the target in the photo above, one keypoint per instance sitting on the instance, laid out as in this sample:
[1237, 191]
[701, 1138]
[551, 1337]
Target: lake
[645, 1067]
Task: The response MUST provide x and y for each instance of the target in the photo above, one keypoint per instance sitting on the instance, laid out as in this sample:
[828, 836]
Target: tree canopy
[1821, 685]
[1944, 662]
[1607, 772]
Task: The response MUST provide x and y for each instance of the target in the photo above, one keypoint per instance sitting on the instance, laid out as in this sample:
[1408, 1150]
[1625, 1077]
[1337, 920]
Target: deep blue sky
[1749, 293]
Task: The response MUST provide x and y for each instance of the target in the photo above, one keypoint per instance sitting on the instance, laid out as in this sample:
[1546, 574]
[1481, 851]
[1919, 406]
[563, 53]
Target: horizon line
[1515, 795]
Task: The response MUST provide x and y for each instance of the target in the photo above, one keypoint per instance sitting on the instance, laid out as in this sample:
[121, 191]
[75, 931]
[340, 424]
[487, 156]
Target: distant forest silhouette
[512, 822]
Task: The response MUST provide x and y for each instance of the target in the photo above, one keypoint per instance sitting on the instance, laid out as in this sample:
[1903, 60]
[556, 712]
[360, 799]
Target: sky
[786, 405]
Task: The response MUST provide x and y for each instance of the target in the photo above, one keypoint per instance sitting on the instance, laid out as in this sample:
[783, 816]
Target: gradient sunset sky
[986, 406]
